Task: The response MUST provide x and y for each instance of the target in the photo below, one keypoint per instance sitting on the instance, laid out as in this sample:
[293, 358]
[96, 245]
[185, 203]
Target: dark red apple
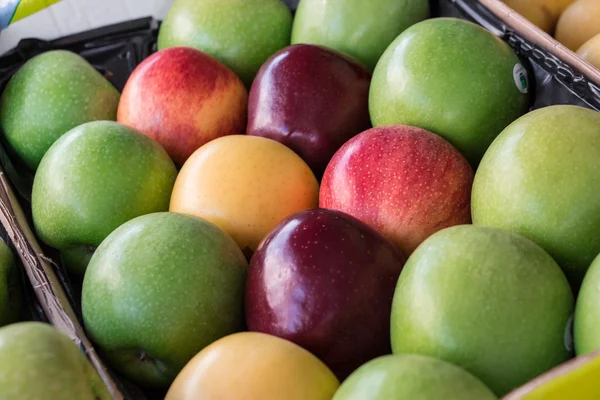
[183, 99]
[312, 99]
[405, 182]
[325, 281]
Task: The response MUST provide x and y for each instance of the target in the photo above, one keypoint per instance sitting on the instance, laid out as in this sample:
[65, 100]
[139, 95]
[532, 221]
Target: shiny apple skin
[325, 281]
[312, 99]
[183, 99]
[403, 181]
[246, 185]
[254, 366]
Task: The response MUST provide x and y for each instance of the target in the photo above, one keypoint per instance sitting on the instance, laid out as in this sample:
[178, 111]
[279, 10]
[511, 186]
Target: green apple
[412, 377]
[451, 77]
[159, 289]
[49, 95]
[362, 29]
[586, 328]
[38, 362]
[242, 34]
[540, 179]
[485, 299]
[92, 180]
[10, 286]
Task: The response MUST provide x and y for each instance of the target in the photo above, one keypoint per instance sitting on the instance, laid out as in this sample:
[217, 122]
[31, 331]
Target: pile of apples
[351, 203]
[573, 23]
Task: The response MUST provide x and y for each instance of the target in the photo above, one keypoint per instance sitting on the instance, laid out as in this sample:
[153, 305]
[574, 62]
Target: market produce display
[352, 202]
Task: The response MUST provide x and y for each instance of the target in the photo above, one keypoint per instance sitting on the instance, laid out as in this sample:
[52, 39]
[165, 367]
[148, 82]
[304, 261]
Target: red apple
[183, 99]
[311, 99]
[325, 281]
[406, 182]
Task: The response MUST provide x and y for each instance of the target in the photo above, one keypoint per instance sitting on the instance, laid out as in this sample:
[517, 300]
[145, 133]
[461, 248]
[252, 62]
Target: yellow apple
[543, 13]
[590, 51]
[246, 185]
[557, 7]
[250, 366]
[579, 23]
[539, 15]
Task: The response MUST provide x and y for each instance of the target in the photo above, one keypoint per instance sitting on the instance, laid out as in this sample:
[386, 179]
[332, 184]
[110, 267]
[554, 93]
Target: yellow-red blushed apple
[183, 98]
[406, 182]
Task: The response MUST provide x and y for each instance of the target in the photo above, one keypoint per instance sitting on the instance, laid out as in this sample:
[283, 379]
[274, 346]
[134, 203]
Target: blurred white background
[72, 16]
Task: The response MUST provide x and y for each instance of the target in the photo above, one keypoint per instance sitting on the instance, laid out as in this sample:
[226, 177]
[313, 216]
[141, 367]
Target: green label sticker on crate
[15, 10]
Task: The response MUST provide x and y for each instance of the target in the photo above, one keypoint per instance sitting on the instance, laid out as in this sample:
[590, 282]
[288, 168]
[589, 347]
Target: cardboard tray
[116, 50]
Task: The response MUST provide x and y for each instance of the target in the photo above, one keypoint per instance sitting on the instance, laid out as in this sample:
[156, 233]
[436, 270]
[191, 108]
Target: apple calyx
[145, 357]
[151, 362]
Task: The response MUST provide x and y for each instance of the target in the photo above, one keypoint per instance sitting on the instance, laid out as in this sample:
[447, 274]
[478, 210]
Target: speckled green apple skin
[465, 93]
[412, 377]
[242, 34]
[51, 94]
[540, 179]
[10, 286]
[586, 328]
[487, 300]
[362, 29]
[38, 362]
[92, 180]
[167, 285]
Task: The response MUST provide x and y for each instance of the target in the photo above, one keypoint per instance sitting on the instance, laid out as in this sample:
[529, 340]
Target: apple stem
[144, 356]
